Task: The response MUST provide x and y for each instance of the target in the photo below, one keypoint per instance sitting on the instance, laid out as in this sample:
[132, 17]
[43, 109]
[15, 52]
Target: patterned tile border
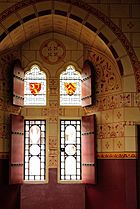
[111, 155]
[117, 155]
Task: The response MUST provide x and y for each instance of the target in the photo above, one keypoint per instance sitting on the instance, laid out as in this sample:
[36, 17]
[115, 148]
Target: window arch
[35, 86]
[70, 87]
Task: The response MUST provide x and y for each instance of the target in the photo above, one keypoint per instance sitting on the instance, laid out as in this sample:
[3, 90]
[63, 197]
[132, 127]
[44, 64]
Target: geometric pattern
[52, 51]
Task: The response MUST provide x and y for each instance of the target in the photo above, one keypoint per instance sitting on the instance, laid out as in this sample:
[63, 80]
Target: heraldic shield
[70, 88]
[35, 88]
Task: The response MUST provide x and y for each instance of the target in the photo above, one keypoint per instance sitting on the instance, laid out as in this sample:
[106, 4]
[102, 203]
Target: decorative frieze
[117, 155]
[112, 130]
[113, 101]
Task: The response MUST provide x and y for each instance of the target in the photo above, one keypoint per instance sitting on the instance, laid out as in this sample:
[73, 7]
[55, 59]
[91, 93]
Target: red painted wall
[115, 189]
[9, 194]
[116, 186]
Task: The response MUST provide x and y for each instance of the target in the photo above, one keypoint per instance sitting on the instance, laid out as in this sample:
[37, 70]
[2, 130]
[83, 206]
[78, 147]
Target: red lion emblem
[35, 88]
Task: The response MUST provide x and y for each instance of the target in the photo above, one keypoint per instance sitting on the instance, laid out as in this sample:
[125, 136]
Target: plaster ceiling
[55, 24]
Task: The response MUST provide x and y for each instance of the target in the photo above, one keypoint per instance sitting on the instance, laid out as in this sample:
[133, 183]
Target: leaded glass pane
[35, 87]
[70, 150]
[70, 87]
[34, 165]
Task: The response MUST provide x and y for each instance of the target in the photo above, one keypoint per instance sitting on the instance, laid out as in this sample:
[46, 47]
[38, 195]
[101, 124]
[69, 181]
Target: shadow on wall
[9, 194]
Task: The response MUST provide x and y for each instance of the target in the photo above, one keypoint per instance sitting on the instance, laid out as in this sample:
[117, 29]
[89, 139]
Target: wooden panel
[88, 174]
[18, 84]
[17, 147]
[87, 90]
[17, 150]
[88, 150]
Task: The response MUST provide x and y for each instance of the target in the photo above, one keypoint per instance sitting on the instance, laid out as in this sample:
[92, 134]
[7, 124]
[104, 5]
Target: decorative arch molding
[91, 10]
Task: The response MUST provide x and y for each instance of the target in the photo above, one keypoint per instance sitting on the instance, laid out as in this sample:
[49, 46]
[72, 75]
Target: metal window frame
[31, 123]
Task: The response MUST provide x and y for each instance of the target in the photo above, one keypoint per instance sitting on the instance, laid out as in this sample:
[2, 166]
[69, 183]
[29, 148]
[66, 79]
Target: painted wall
[116, 188]
[117, 110]
[116, 181]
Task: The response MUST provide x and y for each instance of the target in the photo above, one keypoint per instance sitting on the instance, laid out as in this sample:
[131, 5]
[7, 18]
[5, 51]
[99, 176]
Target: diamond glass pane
[34, 152]
[70, 87]
[35, 87]
[70, 150]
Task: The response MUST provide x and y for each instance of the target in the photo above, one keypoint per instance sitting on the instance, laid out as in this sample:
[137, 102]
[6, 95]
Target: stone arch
[15, 23]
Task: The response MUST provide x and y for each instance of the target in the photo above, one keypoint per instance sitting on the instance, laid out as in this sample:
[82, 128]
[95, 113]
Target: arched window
[77, 154]
[70, 87]
[35, 87]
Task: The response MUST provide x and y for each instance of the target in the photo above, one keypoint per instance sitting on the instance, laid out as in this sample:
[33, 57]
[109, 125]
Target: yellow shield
[70, 88]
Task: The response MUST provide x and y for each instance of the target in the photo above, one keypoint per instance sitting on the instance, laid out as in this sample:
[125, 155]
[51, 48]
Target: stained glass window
[70, 150]
[70, 87]
[35, 150]
[35, 87]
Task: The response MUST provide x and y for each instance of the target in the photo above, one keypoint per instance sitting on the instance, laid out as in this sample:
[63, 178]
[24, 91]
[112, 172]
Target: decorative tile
[52, 51]
[101, 131]
[111, 130]
[53, 152]
[118, 114]
[130, 25]
[101, 103]
[53, 103]
[53, 142]
[53, 86]
[107, 116]
[107, 145]
[53, 161]
[127, 99]
[114, 101]
[118, 144]
[137, 99]
[53, 120]
[52, 112]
